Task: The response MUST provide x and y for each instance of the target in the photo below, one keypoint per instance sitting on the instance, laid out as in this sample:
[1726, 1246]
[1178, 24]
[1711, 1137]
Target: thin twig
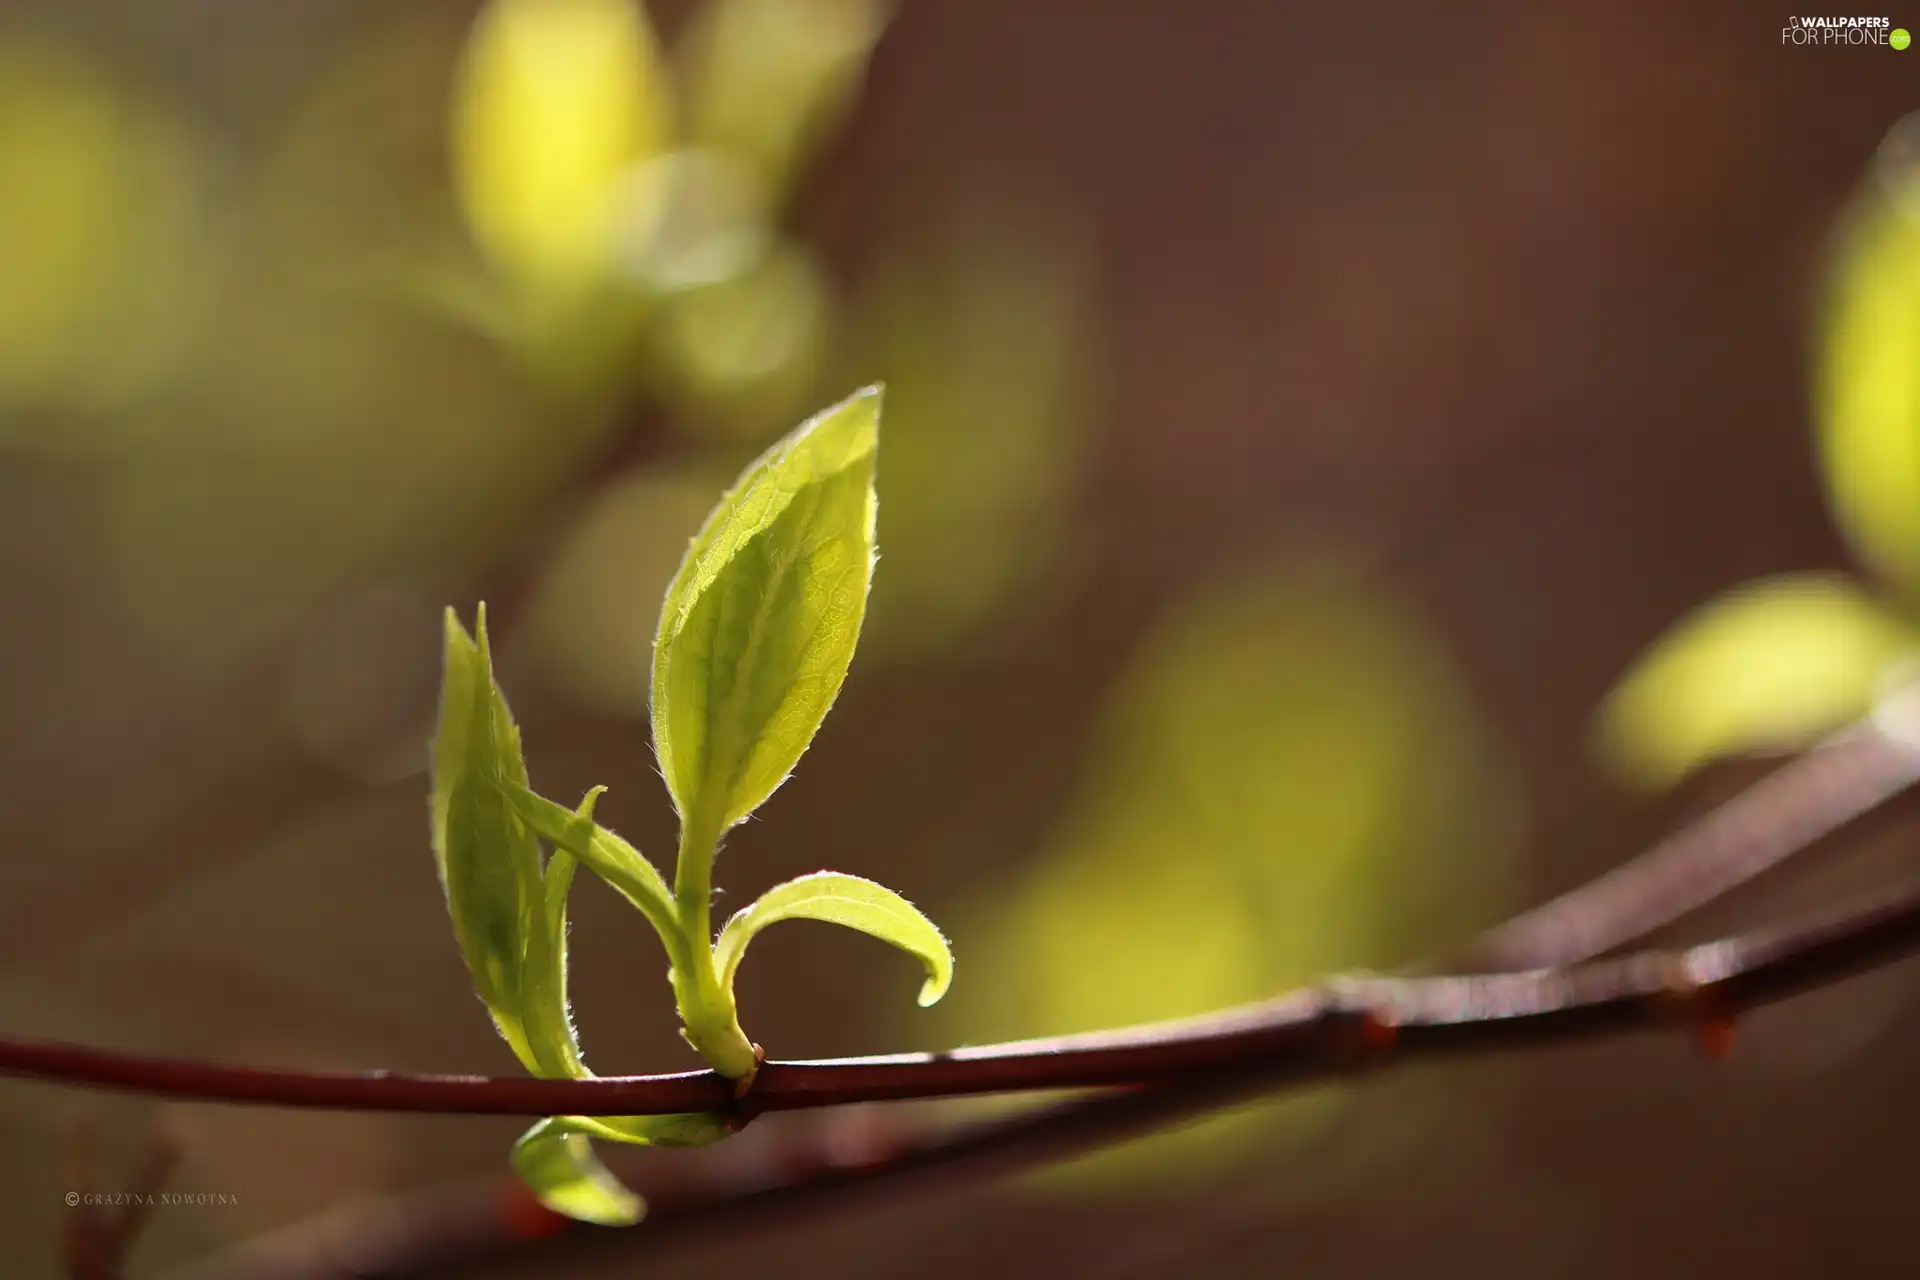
[1361, 1026]
[1777, 817]
[414, 1234]
[1301, 1031]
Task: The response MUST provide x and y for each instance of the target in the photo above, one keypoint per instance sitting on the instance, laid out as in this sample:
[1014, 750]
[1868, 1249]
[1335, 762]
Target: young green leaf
[712, 1025]
[543, 974]
[845, 900]
[555, 1158]
[489, 861]
[762, 618]
[557, 1162]
[613, 859]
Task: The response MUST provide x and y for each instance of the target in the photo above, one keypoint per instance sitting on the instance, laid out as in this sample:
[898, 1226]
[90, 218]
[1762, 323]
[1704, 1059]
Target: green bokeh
[1289, 780]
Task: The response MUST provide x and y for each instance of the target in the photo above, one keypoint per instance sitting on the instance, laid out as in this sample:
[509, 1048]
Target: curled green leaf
[488, 859]
[613, 859]
[844, 900]
[555, 1159]
[761, 621]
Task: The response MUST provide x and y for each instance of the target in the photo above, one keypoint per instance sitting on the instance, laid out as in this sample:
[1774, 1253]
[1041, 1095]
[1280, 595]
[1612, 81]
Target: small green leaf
[845, 900]
[489, 861]
[762, 618]
[543, 975]
[555, 1158]
[613, 859]
[1769, 666]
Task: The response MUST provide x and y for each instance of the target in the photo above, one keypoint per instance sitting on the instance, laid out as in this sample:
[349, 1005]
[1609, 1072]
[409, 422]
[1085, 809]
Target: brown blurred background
[1298, 419]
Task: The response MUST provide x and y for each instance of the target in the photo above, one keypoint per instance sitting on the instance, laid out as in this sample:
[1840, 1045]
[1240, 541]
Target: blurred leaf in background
[557, 100]
[591, 622]
[982, 330]
[746, 316]
[769, 80]
[330, 437]
[1289, 780]
[630, 206]
[1868, 367]
[1767, 666]
[981, 325]
[745, 350]
[102, 210]
[1774, 665]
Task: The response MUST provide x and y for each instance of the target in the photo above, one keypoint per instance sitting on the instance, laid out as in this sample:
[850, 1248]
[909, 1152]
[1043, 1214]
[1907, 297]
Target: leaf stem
[707, 1010]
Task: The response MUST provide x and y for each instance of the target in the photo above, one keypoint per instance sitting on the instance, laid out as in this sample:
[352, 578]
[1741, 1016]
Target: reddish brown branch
[1745, 837]
[1303, 1031]
[1680, 990]
[1351, 1026]
[1784, 813]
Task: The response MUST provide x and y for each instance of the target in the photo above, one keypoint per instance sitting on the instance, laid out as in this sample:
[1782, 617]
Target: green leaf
[489, 861]
[846, 900]
[555, 1158]
[613, 859]
[762, 618]
[1868, 380]
[543, 975]
[1770, 666]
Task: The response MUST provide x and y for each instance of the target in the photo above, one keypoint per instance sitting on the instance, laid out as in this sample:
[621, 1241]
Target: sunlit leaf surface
[555, 1158]
[761, 621]
[489, 861]
[834, 898]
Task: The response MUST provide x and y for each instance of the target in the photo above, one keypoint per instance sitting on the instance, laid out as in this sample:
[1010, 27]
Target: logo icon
[1899, 38]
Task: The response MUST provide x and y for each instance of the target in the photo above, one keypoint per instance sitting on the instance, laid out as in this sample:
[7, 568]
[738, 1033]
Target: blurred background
[1345, 476]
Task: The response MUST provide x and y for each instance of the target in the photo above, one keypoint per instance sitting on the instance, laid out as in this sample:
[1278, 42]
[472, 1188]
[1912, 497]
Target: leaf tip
[480, 632]
[846, 432]
[939, 971]
[934, 988]
[454, 631]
